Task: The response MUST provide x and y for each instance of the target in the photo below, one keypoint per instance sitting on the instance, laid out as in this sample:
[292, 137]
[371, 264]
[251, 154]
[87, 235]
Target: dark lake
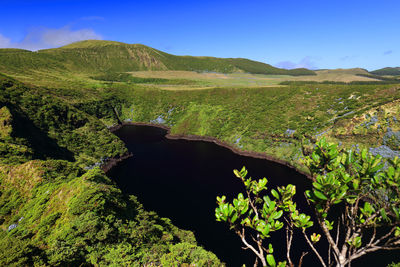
[181, 179]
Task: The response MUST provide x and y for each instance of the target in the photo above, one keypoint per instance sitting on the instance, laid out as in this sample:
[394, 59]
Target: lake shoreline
[252, 154]
[112, 162]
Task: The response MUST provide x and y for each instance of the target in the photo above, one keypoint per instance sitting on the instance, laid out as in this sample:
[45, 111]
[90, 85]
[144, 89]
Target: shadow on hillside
[43, 146]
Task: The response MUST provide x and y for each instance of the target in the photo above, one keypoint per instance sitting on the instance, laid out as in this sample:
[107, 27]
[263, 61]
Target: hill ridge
[96, 56]
[387, 71]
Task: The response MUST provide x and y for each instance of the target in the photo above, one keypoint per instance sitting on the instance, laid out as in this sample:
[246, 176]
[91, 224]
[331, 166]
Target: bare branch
[313, 248]
[330, 239]
[256, 262]
[289, 237]
[372, 238]
[301, 258]
[253, 207]
[329, 254]
[372, 249]
[391, 244]
[385, 236]
[243, 238]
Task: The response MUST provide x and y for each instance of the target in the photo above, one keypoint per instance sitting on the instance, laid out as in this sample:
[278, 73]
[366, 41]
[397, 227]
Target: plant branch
[313, 248]
[258, 254]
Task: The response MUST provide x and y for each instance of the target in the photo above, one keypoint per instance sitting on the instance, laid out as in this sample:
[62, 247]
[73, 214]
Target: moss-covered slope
[275, 121]
[57, 207]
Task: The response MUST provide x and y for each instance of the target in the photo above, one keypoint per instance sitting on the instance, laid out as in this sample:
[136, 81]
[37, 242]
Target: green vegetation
[42, 126]
[367, 218]
[258, 212]
[63, 216]
[125, 77]
[378, 80]
[273, 120]
[57, 207]
[387, 71]
[383, 79]
[104, 56]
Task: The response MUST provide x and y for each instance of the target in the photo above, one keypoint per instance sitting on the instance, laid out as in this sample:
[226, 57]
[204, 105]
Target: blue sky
[312, 34]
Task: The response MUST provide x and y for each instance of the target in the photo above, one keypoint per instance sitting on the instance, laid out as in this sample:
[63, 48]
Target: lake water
[181, 179]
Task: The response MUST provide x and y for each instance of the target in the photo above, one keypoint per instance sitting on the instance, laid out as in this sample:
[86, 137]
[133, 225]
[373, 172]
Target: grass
[209, 80]
[261, 117]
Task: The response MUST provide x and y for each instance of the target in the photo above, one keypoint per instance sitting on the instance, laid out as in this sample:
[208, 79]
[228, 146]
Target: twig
[313, 248]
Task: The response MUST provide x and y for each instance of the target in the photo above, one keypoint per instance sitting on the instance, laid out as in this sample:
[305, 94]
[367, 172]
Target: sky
[312, 34]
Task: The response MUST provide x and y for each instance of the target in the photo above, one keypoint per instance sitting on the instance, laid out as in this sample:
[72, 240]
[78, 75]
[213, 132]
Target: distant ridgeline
[106, 56]
[57, 207]
[387, 71]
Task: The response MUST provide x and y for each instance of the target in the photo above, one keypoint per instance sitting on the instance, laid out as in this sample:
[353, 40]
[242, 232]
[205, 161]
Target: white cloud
[4, 42]
[42, 38]
[63, 36]
[306, 62]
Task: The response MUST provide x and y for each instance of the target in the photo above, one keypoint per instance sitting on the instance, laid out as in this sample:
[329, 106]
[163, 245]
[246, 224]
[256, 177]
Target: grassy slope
[229, 80]
[387, 71]
[258, 119]
[57, 207]
[105, 56]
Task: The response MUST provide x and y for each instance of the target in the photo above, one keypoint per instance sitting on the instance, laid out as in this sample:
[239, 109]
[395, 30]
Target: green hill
[95, 56]
[387, 71]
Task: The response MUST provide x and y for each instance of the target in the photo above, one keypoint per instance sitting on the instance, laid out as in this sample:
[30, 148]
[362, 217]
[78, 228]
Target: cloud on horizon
[42, 38]
[306, 62]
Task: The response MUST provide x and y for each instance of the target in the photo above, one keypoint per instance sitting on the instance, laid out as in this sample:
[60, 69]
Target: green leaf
[315, 157]
[318, 186]
[221, 200]
[319, 195]
[396, 212]
[278, 214]
[357, 242]
[308, 195]
[266, 230]
[237, 173]
[315, 237]
[397, 232]
[384, 216]
[243, 172]
[271, 260]
[278, 225]
[356, 183]
[270, 249]
[364, 154]
[275, 194]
